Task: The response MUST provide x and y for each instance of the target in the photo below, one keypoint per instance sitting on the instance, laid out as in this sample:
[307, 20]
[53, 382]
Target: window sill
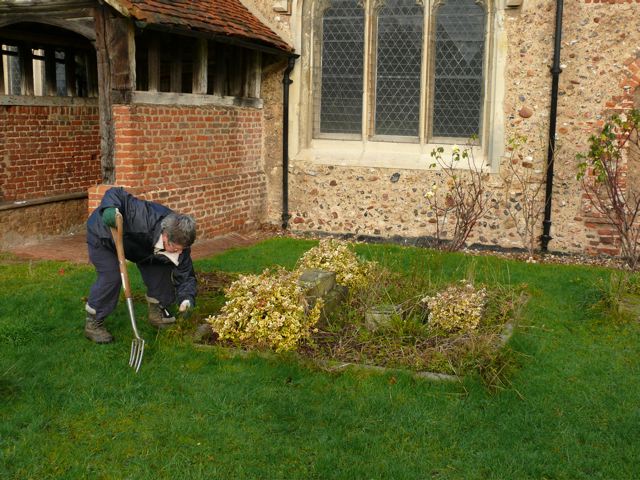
[38, 101]
[404, 156]
[192, 99]
[4, 206]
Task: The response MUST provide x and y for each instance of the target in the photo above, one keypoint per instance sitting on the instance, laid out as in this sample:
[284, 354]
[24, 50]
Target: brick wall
[36, 222]
[600, 233]
[48, 150]
[205, 161]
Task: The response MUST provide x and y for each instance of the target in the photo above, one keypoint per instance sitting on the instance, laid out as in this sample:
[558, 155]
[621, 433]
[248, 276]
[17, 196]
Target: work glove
[185, 305]
[109, 216]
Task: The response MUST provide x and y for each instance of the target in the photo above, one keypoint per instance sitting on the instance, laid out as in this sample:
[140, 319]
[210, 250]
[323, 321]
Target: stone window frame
[398, 152]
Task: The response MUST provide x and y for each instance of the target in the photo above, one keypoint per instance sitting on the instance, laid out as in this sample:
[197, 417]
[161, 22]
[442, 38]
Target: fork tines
[137, 350]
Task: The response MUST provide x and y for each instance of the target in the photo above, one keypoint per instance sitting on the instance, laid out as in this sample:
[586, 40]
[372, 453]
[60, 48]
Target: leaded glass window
[399, 59]
[459, 53]
[418, 65]
[342, 68]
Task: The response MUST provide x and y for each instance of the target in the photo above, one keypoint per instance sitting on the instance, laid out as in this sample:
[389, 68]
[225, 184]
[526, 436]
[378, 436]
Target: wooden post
[70, 72]
[50, 87]
[254, 74]
[236, 77]
[153, 61]
[200, 57]
[220, 84]
[26, 69]
[107, 148]
[176, 68]
[2, 90]
[115, 49]
[121, 41]
[92, 74]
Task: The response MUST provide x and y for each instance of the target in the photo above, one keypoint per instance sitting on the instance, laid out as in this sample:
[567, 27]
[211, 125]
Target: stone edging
[336, 366]
[331, 365]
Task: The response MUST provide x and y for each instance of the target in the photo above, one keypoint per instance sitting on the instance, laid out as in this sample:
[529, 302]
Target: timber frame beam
[115, 52]
[201, 69]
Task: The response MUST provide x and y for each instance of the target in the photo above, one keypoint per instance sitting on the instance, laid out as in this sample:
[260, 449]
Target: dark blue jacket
[141, 231]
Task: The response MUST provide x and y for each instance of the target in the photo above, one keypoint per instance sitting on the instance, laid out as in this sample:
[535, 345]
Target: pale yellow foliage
[336, 256]
[266, 310]
[269, 310]
[457, 308]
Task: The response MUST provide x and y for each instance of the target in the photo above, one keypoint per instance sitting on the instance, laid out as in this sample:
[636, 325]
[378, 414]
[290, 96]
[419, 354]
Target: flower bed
[445, 328]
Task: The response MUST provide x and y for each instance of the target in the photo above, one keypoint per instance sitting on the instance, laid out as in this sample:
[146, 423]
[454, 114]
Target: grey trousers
[104, 293]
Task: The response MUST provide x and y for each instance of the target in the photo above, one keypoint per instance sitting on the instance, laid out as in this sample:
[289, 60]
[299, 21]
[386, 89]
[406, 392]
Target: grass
[71, 409]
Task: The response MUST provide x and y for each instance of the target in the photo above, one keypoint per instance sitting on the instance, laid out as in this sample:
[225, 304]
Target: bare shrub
[524, 193]
[461, 199]
[608, 173]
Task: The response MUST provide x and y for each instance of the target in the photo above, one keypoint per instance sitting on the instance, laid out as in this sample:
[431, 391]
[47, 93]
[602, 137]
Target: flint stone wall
[600, 60]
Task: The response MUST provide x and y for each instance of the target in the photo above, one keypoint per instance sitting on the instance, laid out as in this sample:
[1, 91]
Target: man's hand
[185, 305]
[109, 216]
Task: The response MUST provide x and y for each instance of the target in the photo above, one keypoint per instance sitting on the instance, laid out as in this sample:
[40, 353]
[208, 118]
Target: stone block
[317, 283]
[380, 316]
[629, 305]
[204, 333]
[333, 299]
[321, 284]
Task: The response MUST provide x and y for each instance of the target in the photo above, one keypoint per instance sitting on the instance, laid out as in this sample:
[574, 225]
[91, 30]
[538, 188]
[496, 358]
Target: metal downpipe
[555, 72]
[286, 81]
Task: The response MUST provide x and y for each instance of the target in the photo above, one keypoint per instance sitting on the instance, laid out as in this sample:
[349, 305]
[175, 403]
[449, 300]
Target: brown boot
[159, 316]
[94, 329]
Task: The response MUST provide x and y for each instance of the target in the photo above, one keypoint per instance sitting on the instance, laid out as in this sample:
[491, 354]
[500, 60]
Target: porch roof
[220, 18]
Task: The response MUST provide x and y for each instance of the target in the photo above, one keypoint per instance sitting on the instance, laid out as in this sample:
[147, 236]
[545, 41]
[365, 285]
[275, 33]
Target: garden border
[336, 366]
[330, 365]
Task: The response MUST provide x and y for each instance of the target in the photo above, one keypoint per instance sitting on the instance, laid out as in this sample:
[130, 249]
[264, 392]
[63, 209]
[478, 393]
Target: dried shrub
[524, 192]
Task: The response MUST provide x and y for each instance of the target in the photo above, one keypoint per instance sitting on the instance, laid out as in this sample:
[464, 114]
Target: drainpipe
[555, 72]
[286, 81]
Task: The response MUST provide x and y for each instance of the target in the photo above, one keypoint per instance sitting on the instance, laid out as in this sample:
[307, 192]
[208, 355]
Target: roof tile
[219, 17]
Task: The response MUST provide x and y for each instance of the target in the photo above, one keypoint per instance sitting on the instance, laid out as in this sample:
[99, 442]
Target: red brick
[56, 146]
[182, 158]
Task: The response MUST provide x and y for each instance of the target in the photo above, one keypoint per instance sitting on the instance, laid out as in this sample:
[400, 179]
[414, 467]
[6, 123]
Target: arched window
[51, 62]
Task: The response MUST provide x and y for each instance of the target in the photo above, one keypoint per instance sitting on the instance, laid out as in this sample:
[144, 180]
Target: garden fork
[137, 344]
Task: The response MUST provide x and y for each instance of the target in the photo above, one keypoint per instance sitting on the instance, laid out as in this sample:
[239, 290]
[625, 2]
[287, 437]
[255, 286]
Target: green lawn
[71, 409]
